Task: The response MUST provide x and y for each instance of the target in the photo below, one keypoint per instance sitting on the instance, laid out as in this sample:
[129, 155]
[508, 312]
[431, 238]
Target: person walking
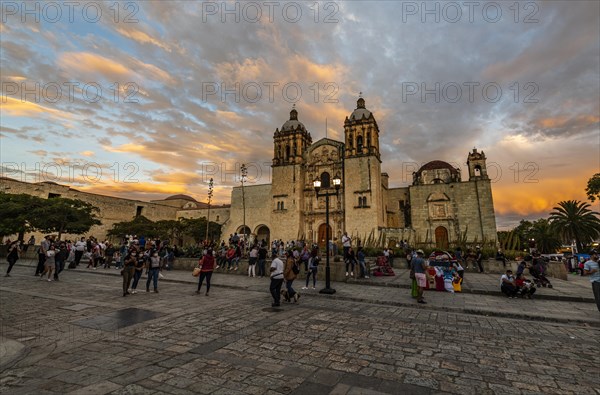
[50, 262]
[262, 258]
[207, 266]
[61, 256]
[479, 259]
[313, 267]
[140, 263]
[44, 247]
[153, 267]
[276, 271]
[14, 252]
[360, 255]
[128, 269]
[419, 266]
[591, 268]
[291, 270]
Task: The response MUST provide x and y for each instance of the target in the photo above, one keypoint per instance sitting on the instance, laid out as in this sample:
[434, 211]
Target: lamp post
[244, 171]
[337, 182]
[210, 195]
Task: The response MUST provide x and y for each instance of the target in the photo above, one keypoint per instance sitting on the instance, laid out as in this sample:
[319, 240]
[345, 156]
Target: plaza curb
[479, 312]
[476, 291]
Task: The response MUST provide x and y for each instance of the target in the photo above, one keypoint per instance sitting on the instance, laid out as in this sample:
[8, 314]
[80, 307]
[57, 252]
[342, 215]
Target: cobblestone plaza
[81, 336]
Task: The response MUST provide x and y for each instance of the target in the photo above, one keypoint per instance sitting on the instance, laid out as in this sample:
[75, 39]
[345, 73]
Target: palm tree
[546, 239]
[573, 220]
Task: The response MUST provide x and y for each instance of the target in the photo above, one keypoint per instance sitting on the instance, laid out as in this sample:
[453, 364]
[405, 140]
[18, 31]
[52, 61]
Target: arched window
[350, 143]
[359, 201]
[369, 140]
[477, 171]
[325, 180]
[364, 201]
[359, 143]
[287, 152]
[282, 206]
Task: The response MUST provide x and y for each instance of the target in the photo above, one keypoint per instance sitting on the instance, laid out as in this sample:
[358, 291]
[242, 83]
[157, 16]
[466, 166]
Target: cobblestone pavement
[83, 337]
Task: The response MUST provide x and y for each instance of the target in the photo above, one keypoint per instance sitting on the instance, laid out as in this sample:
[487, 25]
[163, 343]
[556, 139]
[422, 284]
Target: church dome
[293, 123]
[181, 197]
[361, 111]
[437, 165]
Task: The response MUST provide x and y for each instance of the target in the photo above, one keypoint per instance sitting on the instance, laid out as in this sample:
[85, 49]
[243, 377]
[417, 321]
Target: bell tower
[291, 142]
[363, 183]
[476, 164]
[361, 132]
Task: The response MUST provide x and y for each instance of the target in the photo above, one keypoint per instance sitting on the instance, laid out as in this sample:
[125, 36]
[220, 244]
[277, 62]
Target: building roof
[437, 164]
[181, 197]
[293, 123]
[361, 111]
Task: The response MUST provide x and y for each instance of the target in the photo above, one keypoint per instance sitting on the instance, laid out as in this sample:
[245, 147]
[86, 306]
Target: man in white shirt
[80, 247]
[507, 284]
[276, 281]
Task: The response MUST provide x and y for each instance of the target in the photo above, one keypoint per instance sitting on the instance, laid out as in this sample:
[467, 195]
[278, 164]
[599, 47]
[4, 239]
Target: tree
[573, 220]
[593, 188]
[523, 232]
[546, 239]
[170, 230]
[140, 226]
[64, 215]
[16, 213]
[196, 228]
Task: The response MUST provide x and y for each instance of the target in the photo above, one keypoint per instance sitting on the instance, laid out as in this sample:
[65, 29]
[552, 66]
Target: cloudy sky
[149, 99]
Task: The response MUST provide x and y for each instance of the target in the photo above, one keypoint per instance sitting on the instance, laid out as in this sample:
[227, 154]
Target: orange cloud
[177, 178]
[537, 198]
[133, 187]
[21, 108]
[563, 120]
[86, 62]
[143, 38]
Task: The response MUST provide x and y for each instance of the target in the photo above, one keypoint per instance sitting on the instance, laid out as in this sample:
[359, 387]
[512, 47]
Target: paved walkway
[575, 300]
[83, 337]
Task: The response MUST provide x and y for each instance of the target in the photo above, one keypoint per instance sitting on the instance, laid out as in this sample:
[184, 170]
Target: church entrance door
[441, 237]
[322, 236]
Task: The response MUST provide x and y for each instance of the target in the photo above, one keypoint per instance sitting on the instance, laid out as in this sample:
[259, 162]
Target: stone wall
[112, 209]
[258, 209]
[363, 179]
[469, 207]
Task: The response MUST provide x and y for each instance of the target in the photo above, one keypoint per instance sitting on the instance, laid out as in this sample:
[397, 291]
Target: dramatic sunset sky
[166, 132]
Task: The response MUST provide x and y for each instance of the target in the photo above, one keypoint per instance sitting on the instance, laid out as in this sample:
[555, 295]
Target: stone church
[437, 209]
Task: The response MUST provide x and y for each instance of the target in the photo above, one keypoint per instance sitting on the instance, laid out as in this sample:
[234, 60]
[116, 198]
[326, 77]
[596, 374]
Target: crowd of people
[54, 255]
[135, 255]
[288, 260]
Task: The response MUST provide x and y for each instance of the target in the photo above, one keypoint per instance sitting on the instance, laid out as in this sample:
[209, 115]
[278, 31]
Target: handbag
[196, 272]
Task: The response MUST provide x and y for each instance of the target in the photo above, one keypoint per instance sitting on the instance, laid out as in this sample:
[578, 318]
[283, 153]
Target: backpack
[295, 268]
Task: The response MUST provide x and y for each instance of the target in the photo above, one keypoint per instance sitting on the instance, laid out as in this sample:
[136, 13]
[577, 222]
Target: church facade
[437, 209]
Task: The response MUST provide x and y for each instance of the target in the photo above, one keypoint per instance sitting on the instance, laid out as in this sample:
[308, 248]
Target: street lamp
[244, 171]
[210, 195]
[337, 182]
